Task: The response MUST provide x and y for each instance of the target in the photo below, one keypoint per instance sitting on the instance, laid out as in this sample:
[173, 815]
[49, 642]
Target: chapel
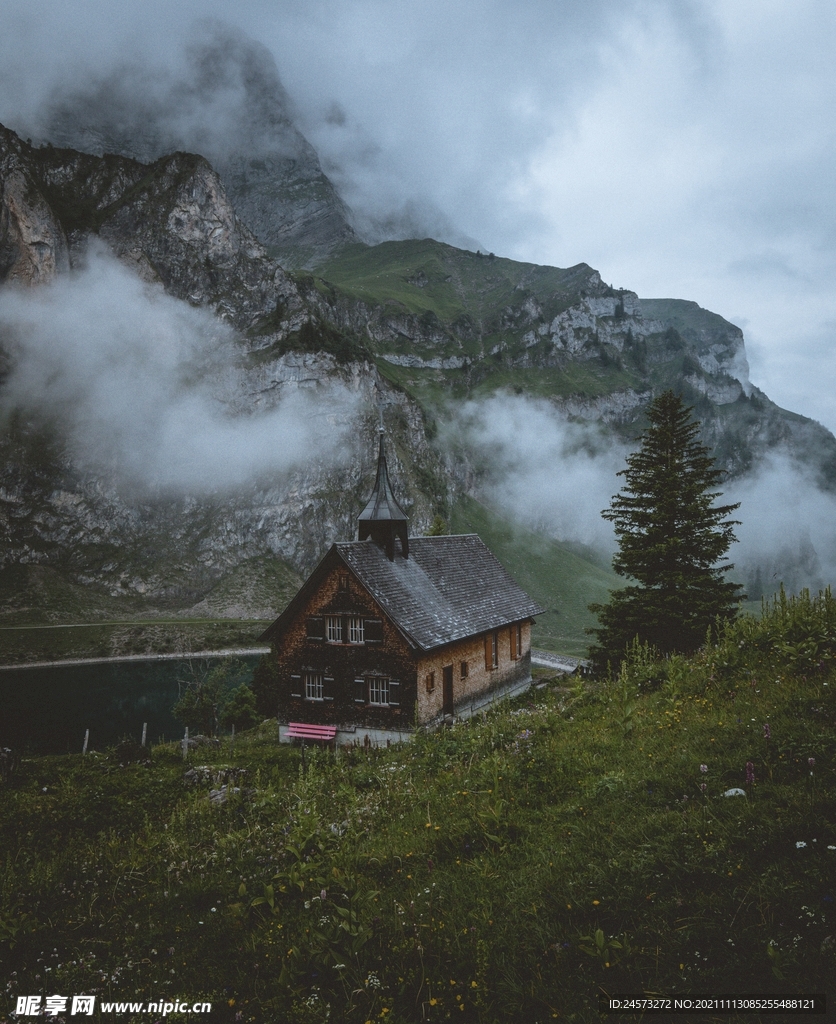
[390, 632]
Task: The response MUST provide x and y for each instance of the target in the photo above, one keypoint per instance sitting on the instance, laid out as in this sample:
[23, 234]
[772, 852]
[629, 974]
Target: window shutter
[394, 693]
[327, 687]
[374, 631]
[489, 651]
[295, 686]
[359, 690]
[316, 627]
[513, 643]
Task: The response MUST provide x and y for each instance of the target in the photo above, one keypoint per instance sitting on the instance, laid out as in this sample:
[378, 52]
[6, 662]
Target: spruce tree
[671, 539]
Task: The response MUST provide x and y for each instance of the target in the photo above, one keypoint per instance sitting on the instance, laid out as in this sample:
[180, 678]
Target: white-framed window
[314, 690]
[356, 630]
[378, 690]
[334, 629]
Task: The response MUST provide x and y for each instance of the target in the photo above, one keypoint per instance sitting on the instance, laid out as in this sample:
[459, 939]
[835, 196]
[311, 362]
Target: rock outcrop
[227, 103]
[387, 328]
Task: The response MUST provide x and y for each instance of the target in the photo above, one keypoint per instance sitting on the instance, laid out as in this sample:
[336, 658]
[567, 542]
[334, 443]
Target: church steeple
[383, 519]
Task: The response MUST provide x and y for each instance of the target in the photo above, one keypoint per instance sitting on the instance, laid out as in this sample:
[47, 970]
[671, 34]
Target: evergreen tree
[671, 539]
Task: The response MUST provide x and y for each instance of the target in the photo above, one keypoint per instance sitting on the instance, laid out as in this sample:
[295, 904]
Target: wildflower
[800, 845]
[811, 761]
[323, 895]
[703, 787]
[703, 768]
[750, 773]
[767, 733]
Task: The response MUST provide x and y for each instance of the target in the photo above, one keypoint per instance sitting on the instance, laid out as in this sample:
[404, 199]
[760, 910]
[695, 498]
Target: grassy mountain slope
[426, 276]
[513, 868]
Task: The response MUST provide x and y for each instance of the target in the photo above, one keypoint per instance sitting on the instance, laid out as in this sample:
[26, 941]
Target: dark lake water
[46, 710]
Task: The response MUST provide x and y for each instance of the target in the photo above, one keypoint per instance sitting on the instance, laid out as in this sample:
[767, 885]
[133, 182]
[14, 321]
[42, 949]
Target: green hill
[563, 582]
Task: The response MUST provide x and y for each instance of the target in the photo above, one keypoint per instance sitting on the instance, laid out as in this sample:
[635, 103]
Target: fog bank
[556, 476]
[144, 386]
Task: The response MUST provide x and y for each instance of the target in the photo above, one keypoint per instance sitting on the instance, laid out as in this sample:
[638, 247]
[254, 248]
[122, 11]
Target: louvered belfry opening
[383, 520]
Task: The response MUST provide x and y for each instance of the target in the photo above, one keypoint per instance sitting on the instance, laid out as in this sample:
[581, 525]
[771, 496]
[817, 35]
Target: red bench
[303, 731]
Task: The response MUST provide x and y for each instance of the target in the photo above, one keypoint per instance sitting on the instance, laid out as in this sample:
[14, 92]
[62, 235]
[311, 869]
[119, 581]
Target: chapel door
[448, 690]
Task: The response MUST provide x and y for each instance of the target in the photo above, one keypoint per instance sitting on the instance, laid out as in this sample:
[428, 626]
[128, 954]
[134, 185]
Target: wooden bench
[304, 731]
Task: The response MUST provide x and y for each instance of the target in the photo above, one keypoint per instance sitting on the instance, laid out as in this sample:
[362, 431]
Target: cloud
[555, 476]
[786, 531]
[550, 474]
[147, 388]
[682, 147]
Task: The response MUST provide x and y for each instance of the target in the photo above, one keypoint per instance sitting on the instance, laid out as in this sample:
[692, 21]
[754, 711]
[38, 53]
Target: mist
[217, 93]
[684, 149]
[150, 390]
[552, 475]
[787, 531]
[556, 476]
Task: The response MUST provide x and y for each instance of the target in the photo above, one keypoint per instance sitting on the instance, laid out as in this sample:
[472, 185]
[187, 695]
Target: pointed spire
[383, 519]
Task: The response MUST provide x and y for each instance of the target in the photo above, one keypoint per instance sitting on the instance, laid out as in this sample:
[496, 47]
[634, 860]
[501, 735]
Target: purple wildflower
[811, 761]
[703, 786]
[703, 768]
[767, 732]
[750, 773]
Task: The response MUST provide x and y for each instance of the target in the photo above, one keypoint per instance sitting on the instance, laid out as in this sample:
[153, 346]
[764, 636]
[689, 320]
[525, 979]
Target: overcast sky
[684, 148]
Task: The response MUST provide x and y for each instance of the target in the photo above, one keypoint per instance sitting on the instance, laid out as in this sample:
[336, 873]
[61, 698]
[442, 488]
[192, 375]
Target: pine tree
[671, 541]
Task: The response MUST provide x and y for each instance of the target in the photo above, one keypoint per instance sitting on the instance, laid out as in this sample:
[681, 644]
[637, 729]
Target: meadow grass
[514, 867]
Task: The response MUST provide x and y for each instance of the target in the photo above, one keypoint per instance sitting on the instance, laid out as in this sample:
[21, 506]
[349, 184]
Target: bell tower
[383, 520]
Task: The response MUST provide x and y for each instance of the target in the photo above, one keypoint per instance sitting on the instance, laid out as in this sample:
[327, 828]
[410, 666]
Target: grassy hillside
[426, 276]
[561, 581]
[517, 867]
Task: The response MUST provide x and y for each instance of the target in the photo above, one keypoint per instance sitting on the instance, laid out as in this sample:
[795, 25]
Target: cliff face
[171, 221]
[227, 103]
[447, 321]
[172, 224]
[33, 246]
[411, 328]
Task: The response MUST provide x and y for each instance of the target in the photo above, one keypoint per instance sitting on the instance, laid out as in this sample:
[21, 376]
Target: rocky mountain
[448, 322]
[226, 102]
[404, 330]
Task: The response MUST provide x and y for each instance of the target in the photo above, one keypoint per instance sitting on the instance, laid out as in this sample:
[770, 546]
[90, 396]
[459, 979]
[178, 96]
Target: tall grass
[511, 868]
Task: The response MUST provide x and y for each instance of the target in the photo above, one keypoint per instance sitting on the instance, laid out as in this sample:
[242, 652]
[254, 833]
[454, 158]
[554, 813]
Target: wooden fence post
[86, 738]
[144, 732]
[186, 743]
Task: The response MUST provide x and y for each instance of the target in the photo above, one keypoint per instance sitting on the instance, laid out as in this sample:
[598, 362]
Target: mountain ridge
[409, 329]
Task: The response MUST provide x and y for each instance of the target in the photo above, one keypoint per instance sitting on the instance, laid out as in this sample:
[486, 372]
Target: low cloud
[550, 474]
[556, 476]
[787, 531]
[149, 389]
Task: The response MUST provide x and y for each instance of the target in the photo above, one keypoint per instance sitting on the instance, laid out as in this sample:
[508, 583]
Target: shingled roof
[448, 589]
